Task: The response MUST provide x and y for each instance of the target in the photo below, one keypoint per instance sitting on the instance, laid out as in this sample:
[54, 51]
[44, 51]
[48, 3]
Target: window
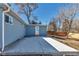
[8, 19]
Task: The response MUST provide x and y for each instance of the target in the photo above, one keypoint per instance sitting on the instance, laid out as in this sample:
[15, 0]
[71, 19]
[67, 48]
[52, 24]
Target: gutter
[8, 8]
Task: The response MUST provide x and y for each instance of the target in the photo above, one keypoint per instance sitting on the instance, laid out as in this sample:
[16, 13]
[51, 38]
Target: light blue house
[36, 30]
[15, 28]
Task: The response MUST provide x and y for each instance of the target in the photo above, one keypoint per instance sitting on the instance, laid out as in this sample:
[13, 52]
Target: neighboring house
[36, 30]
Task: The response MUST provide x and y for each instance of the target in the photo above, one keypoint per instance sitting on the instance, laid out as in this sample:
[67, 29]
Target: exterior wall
[30, 30]
[42, 30]
[0, 27]
[14, 31]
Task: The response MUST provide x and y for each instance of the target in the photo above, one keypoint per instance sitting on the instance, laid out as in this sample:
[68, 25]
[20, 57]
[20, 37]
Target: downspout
[7, 10]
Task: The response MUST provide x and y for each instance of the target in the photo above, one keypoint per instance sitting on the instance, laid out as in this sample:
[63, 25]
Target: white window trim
[11, 20]
[36, 30]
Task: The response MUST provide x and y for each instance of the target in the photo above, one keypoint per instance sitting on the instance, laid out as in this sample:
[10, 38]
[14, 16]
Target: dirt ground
[74, 36]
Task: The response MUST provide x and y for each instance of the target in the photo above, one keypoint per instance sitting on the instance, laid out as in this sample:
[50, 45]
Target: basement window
[8, 19]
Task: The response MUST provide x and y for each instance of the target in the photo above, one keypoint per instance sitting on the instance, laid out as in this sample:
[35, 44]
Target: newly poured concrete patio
[37, 46]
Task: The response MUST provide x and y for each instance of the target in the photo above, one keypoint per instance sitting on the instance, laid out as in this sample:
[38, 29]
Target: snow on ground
[59, 46]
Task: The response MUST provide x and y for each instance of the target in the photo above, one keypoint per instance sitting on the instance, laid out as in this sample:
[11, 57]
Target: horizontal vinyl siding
[30, 30]
[42, 30]
[0, 29]
[13, 31]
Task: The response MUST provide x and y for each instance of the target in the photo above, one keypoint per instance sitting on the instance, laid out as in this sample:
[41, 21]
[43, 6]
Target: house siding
[1, 26]
[42, 30]
[30, 30]
[14, 31]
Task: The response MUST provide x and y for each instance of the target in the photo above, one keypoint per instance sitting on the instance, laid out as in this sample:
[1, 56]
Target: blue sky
[44, 12]
[47, 11]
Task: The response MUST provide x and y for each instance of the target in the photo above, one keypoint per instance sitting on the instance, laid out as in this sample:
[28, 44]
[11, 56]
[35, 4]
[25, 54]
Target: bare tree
[34, 20]
[52, 25]
[40, 22]
[67, 15]
[27, 9]
[65, 25]
[75, 25]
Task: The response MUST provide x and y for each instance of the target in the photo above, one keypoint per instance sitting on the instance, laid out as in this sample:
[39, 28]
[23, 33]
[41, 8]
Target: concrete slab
[30, 45]
[59, 46]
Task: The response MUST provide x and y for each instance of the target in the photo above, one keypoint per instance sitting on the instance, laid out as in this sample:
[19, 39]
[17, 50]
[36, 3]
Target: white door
[36, 30]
